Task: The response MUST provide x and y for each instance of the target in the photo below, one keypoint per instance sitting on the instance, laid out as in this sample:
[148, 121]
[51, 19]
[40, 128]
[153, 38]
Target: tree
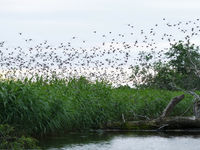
[181, 68]
[183, 61]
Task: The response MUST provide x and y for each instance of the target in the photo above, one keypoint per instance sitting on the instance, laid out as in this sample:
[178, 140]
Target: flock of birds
[111, 60]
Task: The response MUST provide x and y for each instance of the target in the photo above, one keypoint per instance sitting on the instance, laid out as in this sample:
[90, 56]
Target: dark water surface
[123, 141]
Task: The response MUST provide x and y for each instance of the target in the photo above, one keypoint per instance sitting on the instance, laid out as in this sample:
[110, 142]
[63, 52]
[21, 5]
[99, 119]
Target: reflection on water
[123, 141]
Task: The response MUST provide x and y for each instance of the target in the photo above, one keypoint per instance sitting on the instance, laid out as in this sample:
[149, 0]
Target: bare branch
[171, 105]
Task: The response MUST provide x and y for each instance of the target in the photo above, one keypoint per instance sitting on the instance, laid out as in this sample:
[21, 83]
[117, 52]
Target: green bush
[8, 139]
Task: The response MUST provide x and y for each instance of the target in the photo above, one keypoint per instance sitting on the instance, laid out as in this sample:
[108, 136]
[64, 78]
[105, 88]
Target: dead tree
[171, 105]
[195, 67]
[196, 107]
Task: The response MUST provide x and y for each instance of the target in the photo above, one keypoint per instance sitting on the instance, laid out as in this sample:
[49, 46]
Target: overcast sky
[60, 19]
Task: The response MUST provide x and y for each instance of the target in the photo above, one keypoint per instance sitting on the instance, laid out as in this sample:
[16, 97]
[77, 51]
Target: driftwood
[171, 105]
[197, 109]
[175, 123]
[163, 122]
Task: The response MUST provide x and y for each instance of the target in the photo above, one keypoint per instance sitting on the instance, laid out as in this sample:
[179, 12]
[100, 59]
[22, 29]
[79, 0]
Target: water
[123, 141]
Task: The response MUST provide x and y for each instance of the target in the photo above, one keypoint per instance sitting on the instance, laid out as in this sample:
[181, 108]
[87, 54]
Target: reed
[37, 107]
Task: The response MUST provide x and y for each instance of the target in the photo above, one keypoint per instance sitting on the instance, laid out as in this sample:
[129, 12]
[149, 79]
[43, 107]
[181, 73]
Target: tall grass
[139, 104]
[43, 106]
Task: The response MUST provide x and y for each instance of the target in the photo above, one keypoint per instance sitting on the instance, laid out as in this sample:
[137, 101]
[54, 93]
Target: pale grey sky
[60, 19]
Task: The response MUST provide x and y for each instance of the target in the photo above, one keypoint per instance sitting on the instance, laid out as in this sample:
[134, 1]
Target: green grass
[43, 106]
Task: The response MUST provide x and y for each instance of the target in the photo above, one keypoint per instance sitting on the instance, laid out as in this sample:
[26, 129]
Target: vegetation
[44, 106]
[9, 139]
[179, 70]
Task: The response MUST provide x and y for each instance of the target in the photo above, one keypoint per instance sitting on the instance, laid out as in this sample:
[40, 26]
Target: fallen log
[160, 124]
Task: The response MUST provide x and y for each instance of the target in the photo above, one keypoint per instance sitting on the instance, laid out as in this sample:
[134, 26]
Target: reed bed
[51, 105]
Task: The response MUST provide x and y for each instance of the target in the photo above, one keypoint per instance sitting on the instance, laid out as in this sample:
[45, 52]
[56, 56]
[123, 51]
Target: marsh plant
[45, 106]
[9, 139]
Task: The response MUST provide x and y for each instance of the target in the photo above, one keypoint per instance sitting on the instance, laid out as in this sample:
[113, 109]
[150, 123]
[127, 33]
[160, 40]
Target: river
[123, 141]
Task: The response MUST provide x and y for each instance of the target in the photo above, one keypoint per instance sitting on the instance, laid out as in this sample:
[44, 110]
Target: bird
[113, 50]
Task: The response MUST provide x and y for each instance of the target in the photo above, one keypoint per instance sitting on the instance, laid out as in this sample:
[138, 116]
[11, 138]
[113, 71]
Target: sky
[59, 20]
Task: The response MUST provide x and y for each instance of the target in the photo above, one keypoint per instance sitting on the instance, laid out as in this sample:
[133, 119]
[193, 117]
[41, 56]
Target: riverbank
[39, 107]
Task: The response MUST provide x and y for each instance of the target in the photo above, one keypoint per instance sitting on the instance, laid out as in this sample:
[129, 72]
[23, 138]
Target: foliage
[8, 139]
[42, 106]
[179, 68]
[183, 57]
[137, 104]
[52, 105]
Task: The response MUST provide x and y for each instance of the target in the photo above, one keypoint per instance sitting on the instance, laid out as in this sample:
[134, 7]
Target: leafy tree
[181, 68]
